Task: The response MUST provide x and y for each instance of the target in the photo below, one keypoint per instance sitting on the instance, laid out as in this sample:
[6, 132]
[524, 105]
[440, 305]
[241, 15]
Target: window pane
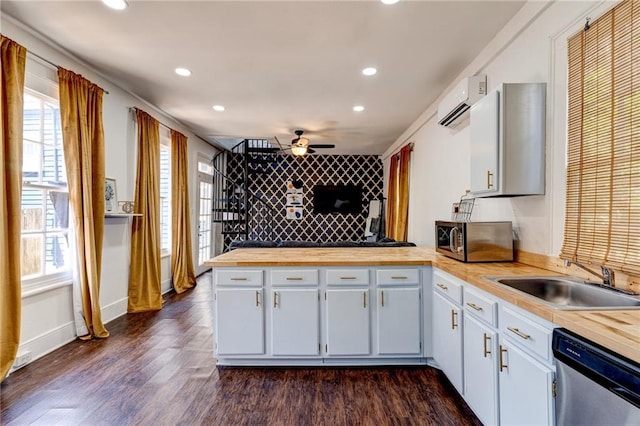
[57, 253]
[31, 154]
[32, 115]
[57, 210]
[31, 255]
[53, 170]
[32, 210]
[205, 168]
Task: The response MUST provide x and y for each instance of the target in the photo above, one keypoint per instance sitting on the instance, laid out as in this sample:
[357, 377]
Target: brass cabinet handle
[275, 299]
[382, 295]
[347, 278]
[238, 278]
[489, 176]
[486, 351]
[502, 365]
[519, 333]
[442, 286]
[294, 278]
[364, 299]
[453, 319]
[257, 298]
[474, 306]
[399, 278]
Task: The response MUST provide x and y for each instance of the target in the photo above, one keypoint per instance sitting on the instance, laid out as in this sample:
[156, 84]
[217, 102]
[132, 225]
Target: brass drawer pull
[238, 279]
[294, 278]
[453, 319]
[257, 298]
[503, 366]
[442, 286]
[519, 333]
[486, 351]
[348, 278]
[489, 176]
[474, 306]
[399, 278]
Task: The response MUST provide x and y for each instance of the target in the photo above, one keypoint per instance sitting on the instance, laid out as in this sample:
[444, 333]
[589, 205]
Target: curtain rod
[400, 149]
[56, 66]
[160, 122]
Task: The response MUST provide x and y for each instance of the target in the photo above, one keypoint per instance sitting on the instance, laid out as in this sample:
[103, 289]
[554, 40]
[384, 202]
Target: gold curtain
[602, 220]
[398, 197]
[13, 61]
[392, 197]
[144, 271]
[83, 143]
[182, 271]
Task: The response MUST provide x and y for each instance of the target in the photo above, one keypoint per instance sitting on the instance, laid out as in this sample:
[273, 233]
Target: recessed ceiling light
[116, 4]
[358, 108]
[183, 72]
[389, 1]
[219, 108]
[369, 71]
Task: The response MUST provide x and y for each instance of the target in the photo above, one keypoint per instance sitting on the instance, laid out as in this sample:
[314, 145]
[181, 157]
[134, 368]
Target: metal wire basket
[462, 210]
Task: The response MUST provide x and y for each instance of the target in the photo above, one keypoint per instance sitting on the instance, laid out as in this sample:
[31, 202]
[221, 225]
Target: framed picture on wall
[110, 196]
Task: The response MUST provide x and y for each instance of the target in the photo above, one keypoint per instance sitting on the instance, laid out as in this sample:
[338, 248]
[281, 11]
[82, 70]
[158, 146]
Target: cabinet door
[485, 124]
[295, 322]
[239, 322]
[348, 323]
[447, 339]
[481, 369]
[398, 321]
[526, 395]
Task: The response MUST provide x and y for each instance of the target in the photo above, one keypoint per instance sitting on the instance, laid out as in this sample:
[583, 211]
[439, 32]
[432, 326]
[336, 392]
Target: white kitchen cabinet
[239, 321]
[295, 322]
[508, 141]
[348, 322]
[481, 369]
[526, 388]
[398, 321]
[447, 339]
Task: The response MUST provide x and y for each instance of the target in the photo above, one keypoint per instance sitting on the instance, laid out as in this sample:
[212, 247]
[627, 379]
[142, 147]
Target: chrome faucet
[607, 276]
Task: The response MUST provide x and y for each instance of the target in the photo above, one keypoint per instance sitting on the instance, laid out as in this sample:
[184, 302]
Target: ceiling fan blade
[322, 145]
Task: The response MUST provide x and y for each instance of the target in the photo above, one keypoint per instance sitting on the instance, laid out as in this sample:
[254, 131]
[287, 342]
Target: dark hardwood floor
[158, 369]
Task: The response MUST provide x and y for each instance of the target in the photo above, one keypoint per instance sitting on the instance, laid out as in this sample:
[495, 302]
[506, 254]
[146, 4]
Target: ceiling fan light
[298, 149]
[116, 4]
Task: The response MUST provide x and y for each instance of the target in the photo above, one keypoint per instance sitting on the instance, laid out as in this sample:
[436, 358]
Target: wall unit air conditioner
[454, 108]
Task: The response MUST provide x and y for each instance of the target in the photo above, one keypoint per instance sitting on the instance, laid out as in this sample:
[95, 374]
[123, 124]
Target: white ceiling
[278, 65]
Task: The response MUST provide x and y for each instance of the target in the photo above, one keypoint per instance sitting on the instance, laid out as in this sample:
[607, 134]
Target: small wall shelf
[123, 215]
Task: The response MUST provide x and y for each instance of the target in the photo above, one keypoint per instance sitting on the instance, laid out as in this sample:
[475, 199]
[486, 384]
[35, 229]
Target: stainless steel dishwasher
[595, 386]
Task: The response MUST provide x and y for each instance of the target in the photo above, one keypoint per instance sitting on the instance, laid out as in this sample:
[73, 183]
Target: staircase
[243, 213]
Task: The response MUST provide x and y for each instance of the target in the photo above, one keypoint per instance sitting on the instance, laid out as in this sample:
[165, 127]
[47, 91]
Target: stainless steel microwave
[475, 241]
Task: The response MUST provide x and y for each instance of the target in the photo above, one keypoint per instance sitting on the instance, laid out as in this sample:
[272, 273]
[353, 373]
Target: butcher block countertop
[618, 330]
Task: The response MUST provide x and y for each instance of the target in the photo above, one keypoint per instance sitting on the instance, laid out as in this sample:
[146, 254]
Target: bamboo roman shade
[602, 223]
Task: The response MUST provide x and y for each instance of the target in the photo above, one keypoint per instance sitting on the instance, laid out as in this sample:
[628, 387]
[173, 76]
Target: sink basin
[569, 293]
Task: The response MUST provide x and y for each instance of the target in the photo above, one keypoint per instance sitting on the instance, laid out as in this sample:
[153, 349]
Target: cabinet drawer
[447, 286]
[294, 277]
[398, 276]
[526, 333]
[481, 307]
[239, 277]
[347, 276]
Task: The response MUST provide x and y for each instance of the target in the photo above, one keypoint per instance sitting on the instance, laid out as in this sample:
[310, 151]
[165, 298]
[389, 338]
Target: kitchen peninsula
[364, 306]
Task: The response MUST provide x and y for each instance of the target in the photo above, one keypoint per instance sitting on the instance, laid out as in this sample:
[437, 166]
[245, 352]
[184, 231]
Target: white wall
[531, 48]
[47, 320]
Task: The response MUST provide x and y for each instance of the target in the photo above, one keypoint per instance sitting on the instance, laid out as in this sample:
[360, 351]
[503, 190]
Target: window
[165, 191]
[602, 222]
[45, 198]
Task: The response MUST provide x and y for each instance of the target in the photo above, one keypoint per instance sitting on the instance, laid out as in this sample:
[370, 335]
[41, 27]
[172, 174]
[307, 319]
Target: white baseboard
[114, 310]
[166, 286]
[48, 342]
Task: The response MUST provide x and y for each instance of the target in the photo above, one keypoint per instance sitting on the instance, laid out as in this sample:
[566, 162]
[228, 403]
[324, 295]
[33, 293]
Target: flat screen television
[344, 199]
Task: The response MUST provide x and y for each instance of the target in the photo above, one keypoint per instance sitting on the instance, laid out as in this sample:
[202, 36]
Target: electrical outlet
[22, 359]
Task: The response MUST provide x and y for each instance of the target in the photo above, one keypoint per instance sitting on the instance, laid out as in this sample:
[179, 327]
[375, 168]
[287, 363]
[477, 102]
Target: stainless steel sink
[570, 293]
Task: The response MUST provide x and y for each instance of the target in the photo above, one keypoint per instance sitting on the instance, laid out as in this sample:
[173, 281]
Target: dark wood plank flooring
[158, 369]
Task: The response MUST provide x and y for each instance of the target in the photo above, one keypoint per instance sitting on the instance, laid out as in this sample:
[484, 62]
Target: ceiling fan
[300, 145]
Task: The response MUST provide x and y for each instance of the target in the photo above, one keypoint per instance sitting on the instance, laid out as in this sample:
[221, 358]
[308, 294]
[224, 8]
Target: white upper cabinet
[508, 141]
